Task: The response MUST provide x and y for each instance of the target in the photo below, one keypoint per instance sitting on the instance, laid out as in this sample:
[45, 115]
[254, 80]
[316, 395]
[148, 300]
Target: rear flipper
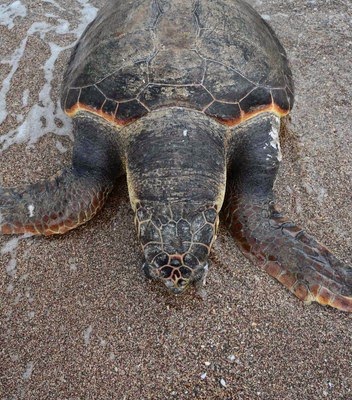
[73, 196]
[285, 251]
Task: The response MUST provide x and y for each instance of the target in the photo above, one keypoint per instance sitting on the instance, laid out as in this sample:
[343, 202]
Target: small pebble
[203, 376]
[223, 383]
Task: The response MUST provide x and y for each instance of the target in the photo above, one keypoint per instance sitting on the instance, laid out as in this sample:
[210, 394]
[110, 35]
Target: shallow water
[34, 120]
[44, 116]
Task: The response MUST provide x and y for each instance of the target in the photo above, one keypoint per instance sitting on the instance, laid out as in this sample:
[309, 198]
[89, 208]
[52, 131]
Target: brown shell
[218, 57]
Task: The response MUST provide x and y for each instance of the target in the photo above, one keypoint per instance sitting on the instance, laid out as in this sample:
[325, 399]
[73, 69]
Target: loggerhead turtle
[185, 97]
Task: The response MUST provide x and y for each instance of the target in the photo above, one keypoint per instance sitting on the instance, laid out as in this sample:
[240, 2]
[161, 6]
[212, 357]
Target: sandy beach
[78, 320]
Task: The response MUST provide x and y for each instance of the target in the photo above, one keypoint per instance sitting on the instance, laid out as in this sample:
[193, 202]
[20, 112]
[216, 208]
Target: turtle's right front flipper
[54, 206]
[281, 248]
[72, 197]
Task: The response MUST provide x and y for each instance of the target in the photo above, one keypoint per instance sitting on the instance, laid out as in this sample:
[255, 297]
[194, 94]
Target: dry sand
[79, 321]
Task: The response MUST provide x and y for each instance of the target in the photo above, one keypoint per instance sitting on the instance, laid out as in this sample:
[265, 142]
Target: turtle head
[176, 241]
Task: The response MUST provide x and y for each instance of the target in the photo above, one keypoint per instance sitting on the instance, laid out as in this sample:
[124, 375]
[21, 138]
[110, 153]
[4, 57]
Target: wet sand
[77, 318]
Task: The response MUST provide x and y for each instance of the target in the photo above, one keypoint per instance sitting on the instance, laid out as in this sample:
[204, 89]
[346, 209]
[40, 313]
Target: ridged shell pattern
[217, 57]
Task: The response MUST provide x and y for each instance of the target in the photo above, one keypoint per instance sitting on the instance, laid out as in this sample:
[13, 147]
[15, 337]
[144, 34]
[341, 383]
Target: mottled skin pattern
[71, 197]
[185, 97]
[29, 210]
[272, 242]
[179, 261]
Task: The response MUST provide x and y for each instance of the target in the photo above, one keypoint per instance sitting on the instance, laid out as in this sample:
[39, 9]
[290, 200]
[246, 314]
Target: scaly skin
[52, 207]
[286, 252]
[176, 241]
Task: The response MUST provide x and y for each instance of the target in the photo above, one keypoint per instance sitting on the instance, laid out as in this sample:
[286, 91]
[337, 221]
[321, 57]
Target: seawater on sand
[30, 126]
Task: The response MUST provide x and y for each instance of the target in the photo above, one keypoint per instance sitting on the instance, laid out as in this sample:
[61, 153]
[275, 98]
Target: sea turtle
[186, 98]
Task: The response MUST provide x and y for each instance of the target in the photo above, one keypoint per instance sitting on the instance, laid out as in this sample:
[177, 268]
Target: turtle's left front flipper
[277, 245]
[74, 195]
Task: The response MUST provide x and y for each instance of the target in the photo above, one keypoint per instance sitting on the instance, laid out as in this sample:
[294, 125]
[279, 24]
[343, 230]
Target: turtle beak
[179, 285]
[176, 282]
[176, 287]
